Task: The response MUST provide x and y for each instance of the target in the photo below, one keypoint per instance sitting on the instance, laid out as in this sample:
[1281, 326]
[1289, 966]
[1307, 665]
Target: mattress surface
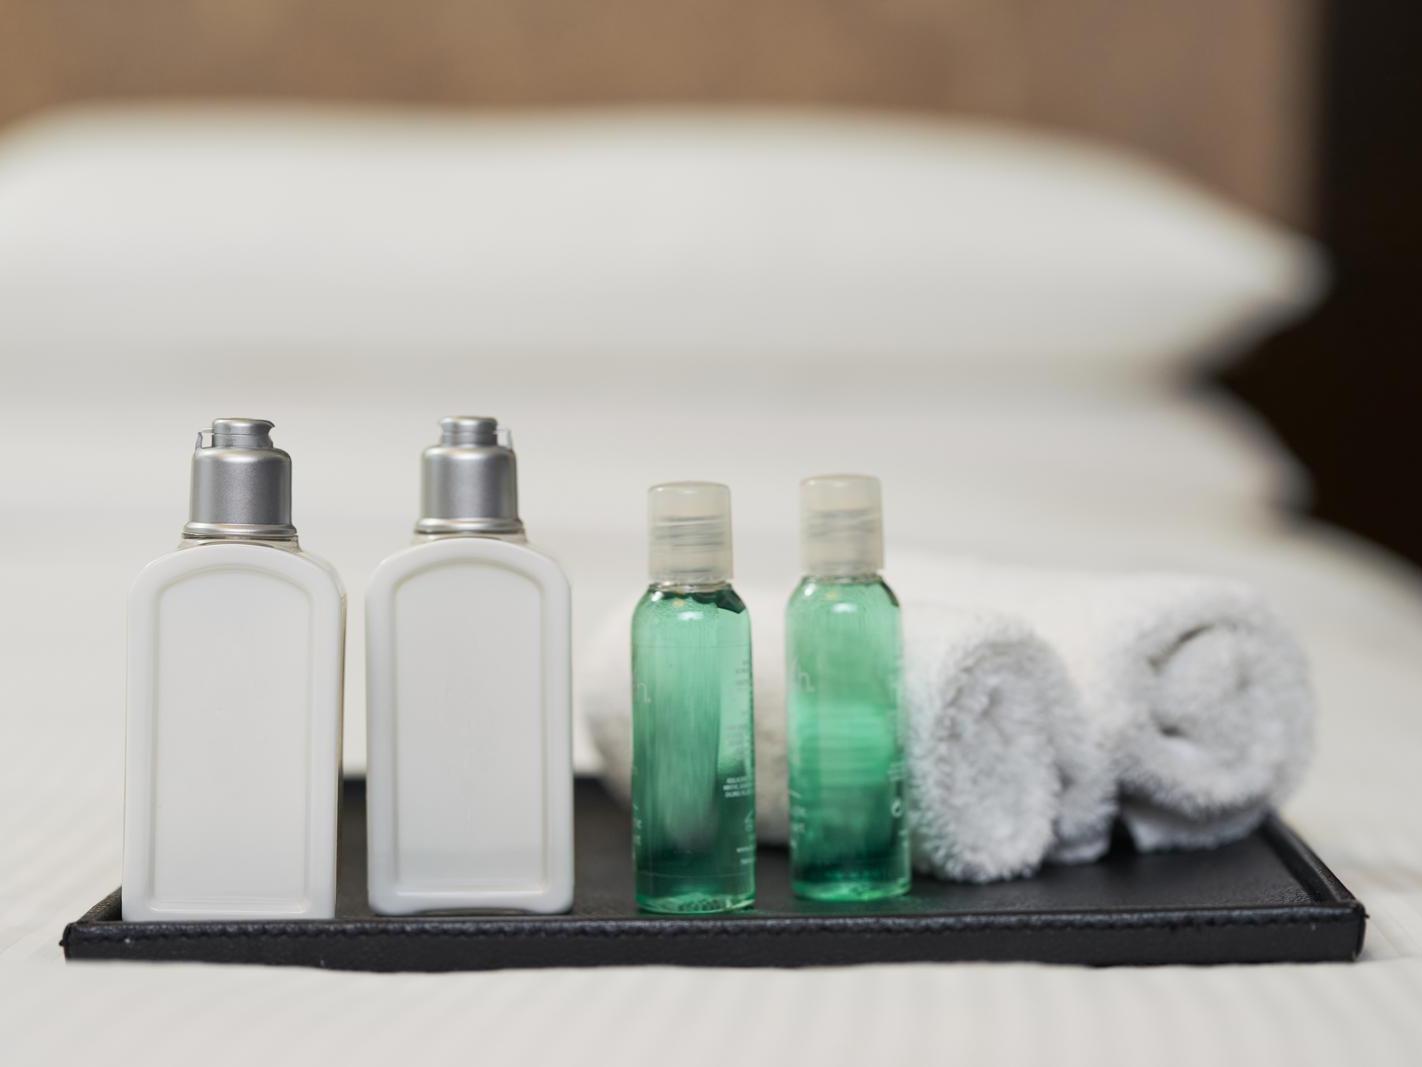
[85, 507]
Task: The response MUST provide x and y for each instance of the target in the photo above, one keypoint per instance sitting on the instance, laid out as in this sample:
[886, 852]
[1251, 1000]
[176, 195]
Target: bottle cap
[689, 533]
[841, 525]
[469, 480]
[241, 484]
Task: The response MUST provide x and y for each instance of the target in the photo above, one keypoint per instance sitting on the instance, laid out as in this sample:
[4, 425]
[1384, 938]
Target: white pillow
[680, 246]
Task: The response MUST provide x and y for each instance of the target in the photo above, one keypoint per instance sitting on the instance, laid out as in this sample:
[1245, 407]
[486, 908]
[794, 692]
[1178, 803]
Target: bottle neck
[286, 544]
[515, 538]
[689, 587]
[864, 578]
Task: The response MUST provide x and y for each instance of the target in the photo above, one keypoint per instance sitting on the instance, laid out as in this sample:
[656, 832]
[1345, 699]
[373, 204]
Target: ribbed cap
[841, 525]
[689, 533]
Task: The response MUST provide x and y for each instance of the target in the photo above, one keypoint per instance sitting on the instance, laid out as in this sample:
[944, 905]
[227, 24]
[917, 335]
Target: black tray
[1264, 899]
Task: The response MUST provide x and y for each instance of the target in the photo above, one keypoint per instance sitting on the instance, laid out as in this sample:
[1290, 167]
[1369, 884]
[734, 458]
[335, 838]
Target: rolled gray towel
[1003, 769]
[1196, 689]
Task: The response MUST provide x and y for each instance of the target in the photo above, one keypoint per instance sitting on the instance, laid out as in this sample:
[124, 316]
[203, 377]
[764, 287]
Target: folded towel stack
[1197, 690]
[1038, 700]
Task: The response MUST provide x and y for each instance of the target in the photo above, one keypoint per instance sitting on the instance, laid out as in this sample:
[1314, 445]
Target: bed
[655, 290]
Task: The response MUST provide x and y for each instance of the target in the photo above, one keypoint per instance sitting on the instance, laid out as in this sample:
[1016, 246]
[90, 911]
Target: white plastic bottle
[469, 802]
[236, 649]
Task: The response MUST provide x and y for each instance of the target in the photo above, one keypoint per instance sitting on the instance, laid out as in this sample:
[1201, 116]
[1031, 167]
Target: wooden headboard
[1219, 88]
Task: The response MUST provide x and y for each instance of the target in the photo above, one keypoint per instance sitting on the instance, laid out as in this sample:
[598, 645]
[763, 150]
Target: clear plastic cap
[689, 533]
[841, 525]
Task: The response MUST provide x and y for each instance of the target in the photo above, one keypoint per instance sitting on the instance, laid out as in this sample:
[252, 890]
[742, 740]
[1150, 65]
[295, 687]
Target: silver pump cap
[241, 484]
[469, 482]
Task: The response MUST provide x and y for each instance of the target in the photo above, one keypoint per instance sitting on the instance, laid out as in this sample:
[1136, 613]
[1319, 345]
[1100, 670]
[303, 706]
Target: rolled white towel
[1003, 770]
[1194, 686]
[1001, 765]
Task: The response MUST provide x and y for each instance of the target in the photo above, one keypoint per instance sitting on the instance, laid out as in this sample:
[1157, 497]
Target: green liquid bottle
[693, 755]
[845, 717]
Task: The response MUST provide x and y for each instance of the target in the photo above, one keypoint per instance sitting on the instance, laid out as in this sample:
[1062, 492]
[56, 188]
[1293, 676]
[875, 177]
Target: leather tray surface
[1266, 898]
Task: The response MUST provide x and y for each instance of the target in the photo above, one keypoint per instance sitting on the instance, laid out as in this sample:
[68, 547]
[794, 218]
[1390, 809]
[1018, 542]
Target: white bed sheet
[95, 487]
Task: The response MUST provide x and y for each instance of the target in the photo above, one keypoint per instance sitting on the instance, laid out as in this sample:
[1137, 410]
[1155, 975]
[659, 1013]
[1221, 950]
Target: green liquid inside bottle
[848, 830]
[693, 761]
